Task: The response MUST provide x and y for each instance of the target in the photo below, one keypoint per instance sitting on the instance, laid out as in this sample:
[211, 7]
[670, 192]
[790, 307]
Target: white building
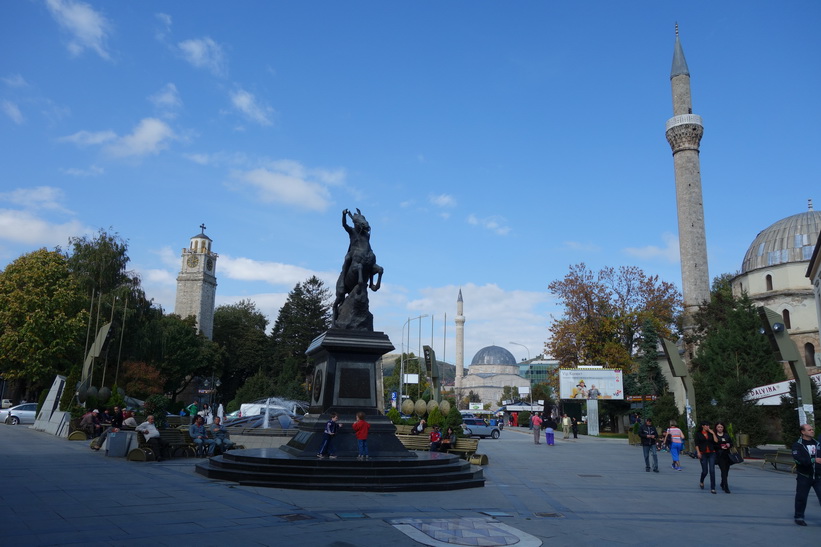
[774, 274]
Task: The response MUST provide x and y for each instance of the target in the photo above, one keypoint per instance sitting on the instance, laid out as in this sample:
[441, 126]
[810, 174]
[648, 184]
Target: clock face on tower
[209, 264]
[193, 261]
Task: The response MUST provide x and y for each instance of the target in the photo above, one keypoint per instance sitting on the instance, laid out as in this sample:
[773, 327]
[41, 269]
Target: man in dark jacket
[648, 435]
[807, 455]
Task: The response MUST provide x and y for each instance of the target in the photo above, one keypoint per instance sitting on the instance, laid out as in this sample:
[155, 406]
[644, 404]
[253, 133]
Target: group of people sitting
[211, 438]
[207, 439]
[438, 441]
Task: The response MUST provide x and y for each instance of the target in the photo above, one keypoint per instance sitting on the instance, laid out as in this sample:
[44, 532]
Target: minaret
[460, 344]
[197, 283]
[684, 131]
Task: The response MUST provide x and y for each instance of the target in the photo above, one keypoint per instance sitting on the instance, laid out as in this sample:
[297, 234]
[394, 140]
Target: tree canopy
[604, 313]
[239, 329]
[732, 358]
[42, 319]
[305, 315]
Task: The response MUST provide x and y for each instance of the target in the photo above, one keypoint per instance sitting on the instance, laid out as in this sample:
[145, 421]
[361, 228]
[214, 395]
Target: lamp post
[531, 376]
[402, 360]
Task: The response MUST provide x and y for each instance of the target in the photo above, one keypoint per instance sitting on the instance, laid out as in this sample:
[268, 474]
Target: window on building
[809, 354]
[769, 280]
[786, 315]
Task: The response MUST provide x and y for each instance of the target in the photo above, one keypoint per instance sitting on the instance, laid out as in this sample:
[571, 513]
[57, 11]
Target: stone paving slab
[589, 491]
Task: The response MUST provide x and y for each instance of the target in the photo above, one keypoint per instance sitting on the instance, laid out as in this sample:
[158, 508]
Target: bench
[784, 457]
[179, 445]
[464, 447]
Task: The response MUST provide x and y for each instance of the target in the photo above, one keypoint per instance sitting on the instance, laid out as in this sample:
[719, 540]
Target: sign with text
[593, 384]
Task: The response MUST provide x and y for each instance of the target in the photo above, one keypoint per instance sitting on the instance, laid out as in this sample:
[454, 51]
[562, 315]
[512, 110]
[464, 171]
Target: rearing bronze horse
[360, 267]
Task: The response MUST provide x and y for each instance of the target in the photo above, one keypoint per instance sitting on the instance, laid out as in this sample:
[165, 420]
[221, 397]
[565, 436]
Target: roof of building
[679, 62]
[789, 240]
[493, 355]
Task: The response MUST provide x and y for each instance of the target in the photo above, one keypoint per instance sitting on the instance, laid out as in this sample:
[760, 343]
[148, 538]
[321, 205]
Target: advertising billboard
[577, 383]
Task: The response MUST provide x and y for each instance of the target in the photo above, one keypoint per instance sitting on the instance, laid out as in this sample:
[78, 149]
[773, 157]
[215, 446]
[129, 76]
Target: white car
[20, 414]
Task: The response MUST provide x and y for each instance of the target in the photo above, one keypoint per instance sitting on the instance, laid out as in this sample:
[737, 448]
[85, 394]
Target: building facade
[774, 274]
[197, 283]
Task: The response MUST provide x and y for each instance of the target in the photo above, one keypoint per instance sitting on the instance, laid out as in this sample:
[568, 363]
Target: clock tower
[197, 283]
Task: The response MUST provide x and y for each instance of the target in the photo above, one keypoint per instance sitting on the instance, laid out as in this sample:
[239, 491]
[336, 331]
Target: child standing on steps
[331, 427]
[361, 428]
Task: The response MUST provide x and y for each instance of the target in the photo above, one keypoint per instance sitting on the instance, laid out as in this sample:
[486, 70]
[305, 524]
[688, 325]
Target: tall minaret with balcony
[460, 343]
[197, 283]
[684, 131]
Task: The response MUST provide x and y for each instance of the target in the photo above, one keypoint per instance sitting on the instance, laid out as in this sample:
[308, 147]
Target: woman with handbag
[706, 452]
[723, 445]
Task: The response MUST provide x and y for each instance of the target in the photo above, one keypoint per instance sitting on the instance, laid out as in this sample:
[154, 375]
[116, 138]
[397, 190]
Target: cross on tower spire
[202, 227]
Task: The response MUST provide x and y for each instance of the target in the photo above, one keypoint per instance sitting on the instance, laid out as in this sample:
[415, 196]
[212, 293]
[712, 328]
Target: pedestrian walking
[807, 454]
[648, 435]
[676, 443]
[574, 426]
[706, 452]
[723, 445]
[536, 423]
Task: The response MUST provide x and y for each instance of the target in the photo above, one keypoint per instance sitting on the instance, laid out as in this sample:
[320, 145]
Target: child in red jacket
[360, 428]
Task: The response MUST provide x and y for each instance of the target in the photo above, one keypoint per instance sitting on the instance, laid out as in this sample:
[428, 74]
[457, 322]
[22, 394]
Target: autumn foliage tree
[604, 313]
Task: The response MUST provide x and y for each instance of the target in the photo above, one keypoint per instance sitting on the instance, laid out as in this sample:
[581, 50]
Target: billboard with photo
[577, 383]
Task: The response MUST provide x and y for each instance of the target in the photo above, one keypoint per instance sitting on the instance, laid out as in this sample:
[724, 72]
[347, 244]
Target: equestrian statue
[359, 271]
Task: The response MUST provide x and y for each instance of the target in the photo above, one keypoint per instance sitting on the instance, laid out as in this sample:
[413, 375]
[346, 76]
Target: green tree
[732, 358]
[790, 428]
[179, 353]
[305, 315]
[100, 263]
[257, 386]
[604, 313]
[648, 379]
[509, 393]
[42, 320]
[239, 329]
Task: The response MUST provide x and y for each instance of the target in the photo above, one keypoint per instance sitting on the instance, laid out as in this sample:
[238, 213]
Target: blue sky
[491, 145]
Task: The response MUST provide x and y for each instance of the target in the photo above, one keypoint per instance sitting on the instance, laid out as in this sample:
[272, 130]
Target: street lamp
[524, 346]
[402, 357]
[531, 375]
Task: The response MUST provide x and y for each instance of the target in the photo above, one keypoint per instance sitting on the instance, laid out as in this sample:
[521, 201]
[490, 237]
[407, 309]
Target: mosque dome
[791, 239]
[493, 355]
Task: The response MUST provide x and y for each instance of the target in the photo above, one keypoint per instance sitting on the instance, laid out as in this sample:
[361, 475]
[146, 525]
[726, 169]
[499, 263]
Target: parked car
[480, 428]
[6, 403]
[20, 414]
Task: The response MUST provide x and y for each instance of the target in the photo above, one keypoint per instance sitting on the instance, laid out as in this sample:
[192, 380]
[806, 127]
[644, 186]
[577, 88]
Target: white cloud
[202, 159]
[495, 316]
[149, 137]
[88, 138]
[164, 29]
[579, 246]
[493, 223]
[669, 252]
[204, 53]
[443, 200]
[273, 273]
[40, 197]
[88, 29]
[92, 171]
[15, 80]
[251, 108]
[26, 228]
[289, 183]
[13, 111]
[167, 98]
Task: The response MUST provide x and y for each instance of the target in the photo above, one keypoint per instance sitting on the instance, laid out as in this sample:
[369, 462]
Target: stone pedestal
[344, 382]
